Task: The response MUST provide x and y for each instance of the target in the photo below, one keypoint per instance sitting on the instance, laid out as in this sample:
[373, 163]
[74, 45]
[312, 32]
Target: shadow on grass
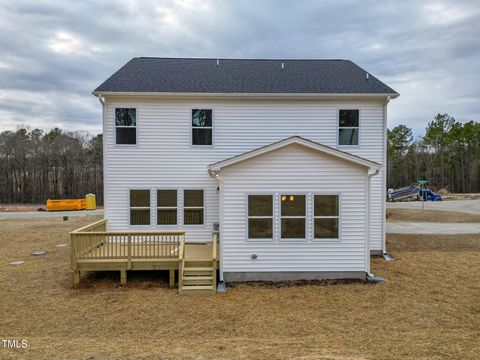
[138, 279]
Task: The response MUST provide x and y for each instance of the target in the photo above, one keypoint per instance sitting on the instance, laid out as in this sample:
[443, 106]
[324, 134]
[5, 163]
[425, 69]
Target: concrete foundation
[376, 252]
[292, 275]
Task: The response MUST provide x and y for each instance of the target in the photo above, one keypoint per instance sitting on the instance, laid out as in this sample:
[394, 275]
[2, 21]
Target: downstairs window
[139, 207]
[260, 216]
[326, 216]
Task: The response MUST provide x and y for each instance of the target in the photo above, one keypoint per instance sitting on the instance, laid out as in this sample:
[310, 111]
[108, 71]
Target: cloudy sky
[54, 53]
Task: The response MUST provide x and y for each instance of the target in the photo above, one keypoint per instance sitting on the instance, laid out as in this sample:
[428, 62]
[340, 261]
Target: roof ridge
[237, 59]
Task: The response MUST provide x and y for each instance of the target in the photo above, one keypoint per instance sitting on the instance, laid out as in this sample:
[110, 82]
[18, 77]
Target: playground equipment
[416, 191]
[89, 203]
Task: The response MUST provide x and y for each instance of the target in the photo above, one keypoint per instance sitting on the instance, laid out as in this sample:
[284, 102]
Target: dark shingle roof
[169, 75]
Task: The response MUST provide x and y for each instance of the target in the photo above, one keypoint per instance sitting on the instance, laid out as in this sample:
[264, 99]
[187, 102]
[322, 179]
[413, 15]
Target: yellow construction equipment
[89, 203]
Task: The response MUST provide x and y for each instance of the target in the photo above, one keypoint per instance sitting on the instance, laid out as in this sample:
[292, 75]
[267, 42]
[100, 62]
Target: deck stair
[198, 275]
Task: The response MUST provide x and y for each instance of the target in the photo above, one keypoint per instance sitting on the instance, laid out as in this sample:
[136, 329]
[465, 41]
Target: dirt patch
[21, 207]
[440, 216]
[427, 309]
[472, 196]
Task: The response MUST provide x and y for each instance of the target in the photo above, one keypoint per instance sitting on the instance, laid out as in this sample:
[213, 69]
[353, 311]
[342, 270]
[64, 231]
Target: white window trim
[130, 225]
[339, 217]
[280, 217]
[194, 207]
[202, 107]
[348, 127]
[125, 126]
[260, 217]
[165, 207]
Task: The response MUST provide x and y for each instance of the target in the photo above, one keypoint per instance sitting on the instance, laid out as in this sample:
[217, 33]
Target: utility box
[90, 202]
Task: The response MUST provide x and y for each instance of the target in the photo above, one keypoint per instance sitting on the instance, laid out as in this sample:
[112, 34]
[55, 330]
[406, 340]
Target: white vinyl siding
[164, 156]
[294, 170]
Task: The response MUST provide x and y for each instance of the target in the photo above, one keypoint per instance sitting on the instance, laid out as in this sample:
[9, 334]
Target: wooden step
[197, 280]
[198, 268]
[197, 287]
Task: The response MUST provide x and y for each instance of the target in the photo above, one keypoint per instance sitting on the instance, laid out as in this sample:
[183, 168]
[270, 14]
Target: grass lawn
[429, 307]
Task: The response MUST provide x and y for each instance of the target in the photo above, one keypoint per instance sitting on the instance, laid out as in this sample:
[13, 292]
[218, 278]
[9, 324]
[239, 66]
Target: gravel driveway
[46, 214]
[468, 206]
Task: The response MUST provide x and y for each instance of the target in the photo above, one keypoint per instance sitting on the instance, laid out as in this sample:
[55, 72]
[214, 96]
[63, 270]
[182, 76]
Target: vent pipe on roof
[367, 76]
[283, 66]
[218, 62]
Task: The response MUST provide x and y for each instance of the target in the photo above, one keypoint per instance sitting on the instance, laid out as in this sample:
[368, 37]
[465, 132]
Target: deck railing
[93, 242]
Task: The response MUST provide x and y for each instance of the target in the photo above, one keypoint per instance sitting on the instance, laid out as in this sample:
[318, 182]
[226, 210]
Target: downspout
[384, 192]
[104, 146]
[370, 276]
[215, 174]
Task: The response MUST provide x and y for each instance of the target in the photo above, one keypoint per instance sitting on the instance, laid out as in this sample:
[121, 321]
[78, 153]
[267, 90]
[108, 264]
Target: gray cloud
[55, 53]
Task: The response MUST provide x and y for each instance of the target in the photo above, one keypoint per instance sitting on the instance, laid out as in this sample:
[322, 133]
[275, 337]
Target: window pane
[140, 217]
[166, 216]
[293, 228]
[348, 118]
[193, 198]
[260, 205]
[202, 137]
[139, 198]
[201, 118]
[193, 216]
[293, 205]
[326, 205]
[167, 198]
[348, 137]
[126, 135]
[260, 229]
[326, 229]
[125, 117]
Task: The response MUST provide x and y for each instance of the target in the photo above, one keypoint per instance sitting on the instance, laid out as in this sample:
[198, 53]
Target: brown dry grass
[440, 216]
[428, 308]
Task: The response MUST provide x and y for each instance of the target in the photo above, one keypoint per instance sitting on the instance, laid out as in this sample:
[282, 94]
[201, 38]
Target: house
[285, 158]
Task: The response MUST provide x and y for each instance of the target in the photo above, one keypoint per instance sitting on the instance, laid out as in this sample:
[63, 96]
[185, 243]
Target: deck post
[171, 282]
[75, 278]
[123, 277]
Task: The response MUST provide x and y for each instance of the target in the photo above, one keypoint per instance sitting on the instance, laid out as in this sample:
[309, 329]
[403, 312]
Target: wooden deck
[95, 249]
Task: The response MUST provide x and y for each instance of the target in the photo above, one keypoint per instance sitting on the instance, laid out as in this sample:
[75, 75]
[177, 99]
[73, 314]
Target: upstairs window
[166, 207]
[139, 207]
[126, 126]
[326, 214]
[193, 207]
[260, 216]
[202, 127]
[293, 215]
[348, 126]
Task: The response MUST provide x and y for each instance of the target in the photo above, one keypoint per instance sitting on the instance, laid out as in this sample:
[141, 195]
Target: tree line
[447, 156]
[37, 165]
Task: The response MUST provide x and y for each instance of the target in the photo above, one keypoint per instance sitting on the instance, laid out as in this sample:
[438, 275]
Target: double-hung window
[166, 207]
[202, 129]
[139, 207]
[326, 216]
[193, 207]
[293, 213]
[260, 216]
[126, 126]
[348, 127]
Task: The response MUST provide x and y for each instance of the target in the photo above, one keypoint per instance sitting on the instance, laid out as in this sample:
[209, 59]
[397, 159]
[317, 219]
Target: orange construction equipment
[65, 205]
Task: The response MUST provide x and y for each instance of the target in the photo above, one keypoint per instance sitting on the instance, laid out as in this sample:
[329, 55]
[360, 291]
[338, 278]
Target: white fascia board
[252, 95]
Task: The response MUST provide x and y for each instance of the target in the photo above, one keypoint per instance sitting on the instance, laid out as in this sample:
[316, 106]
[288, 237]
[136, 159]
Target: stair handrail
[181, 262]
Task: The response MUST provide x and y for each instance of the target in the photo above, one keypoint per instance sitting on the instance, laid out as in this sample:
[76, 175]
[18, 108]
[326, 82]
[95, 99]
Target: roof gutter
[248, 95]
